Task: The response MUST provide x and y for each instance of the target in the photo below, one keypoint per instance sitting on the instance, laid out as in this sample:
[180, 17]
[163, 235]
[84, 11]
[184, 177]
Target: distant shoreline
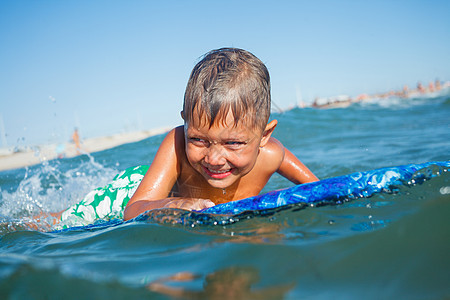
[10, 160]
[343, 101]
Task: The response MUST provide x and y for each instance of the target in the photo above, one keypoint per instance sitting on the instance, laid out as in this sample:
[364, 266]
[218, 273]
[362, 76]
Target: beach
[10, 159]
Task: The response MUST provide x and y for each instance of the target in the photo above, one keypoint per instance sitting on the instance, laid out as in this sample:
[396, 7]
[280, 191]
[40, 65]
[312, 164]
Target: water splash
[51, 186]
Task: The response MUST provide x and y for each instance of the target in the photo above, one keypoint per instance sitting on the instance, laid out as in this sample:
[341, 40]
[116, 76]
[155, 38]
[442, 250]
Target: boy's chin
[221, 183]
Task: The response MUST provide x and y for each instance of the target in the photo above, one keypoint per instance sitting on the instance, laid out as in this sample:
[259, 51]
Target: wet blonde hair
[229, 79]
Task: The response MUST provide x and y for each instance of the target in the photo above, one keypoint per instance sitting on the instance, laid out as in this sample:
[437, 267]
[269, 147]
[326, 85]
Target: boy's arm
[157, 183]
[294, 170]
[159, 179]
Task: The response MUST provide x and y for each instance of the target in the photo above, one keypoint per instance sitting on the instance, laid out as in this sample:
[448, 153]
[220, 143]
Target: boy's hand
[190, 203]
[138, 207]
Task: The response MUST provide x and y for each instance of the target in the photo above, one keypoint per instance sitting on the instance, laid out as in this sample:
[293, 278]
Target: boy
[224, 151]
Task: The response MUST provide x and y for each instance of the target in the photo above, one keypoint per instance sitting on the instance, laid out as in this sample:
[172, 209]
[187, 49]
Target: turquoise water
[386, 246]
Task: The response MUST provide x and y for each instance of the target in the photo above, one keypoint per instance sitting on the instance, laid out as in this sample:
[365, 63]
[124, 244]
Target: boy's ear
[270, 127]
[182, 114]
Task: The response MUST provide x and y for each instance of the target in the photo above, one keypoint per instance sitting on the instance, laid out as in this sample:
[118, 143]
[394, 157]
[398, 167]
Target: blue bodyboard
[335, 190]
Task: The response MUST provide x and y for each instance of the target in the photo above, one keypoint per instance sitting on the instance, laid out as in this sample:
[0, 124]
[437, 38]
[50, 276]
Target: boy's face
[223, 153]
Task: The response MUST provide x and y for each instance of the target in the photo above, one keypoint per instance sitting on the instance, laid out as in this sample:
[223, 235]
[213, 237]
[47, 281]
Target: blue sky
[115, 66]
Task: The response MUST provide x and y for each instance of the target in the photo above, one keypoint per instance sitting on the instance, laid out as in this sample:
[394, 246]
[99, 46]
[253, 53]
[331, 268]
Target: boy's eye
[235, 144]
[199, 142]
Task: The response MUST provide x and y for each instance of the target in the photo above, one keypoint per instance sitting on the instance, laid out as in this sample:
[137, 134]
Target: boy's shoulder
[175, 137]
[272, 154]
[274, 147]
[173, 143]
[177, 131]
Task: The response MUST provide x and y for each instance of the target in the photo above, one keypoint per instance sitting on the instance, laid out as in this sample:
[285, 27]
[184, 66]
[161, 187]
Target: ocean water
[389, 245]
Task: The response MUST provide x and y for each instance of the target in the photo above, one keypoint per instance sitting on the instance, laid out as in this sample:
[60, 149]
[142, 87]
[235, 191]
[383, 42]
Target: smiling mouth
[217, 174]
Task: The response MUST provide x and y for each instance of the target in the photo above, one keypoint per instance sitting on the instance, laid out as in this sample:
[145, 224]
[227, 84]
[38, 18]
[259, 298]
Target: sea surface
[391, 245]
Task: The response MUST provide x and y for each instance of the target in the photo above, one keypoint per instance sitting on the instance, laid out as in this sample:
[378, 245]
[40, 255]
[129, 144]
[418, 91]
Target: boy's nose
[215, 155]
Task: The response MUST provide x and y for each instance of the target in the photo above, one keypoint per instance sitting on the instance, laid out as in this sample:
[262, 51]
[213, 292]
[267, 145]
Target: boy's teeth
[218, 171]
